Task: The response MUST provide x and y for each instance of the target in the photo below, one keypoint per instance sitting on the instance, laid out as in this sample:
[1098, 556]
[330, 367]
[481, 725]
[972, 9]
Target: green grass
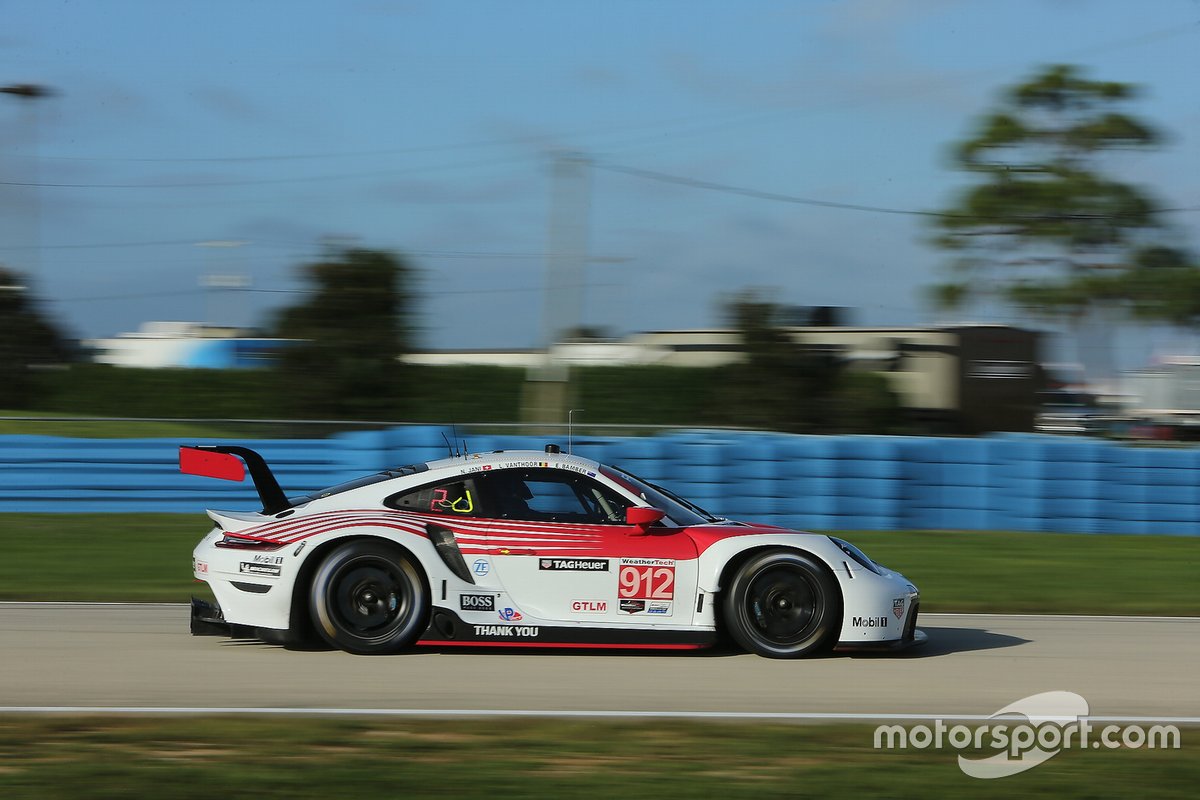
[45, 424]
[1041, 572]
[110, 557]
[147, 557]
[100, 757]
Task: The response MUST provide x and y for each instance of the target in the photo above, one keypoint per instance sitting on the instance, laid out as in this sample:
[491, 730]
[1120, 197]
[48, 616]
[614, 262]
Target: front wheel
[782, 604]
[368, 597]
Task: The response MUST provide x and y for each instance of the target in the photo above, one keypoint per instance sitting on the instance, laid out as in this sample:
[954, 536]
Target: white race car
[532, 549]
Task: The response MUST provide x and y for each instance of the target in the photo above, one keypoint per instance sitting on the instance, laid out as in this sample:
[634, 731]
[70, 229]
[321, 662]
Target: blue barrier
[1015, 482]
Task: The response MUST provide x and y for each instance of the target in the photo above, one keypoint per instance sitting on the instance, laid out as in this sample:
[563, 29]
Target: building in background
[953, 379]
[186, 344]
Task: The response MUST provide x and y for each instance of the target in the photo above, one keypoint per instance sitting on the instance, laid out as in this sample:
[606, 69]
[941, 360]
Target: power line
[225, 183]
[542, 140]
[693, 123]
[481, 255]
[251, 290]
[695, 183]
[143, 243]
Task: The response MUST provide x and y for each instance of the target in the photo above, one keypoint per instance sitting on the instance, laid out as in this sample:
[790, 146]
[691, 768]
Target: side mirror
[643, 517]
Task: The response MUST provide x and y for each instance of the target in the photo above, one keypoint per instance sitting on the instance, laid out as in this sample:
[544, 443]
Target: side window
[553, 499]
[458, 497]
[551, 495]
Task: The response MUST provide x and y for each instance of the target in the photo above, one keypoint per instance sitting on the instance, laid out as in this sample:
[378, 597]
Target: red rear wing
[225, 461]
[209, 464]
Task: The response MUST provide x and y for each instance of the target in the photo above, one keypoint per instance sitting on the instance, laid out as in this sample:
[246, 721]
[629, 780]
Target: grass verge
[34, 423]
[147, 557]
[209, 757]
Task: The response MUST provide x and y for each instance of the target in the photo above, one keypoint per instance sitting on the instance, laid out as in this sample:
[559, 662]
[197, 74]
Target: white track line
[491, 712]
[1097, 617]
[88, 603]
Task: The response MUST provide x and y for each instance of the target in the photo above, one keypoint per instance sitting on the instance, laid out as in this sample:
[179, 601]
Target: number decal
[665, 588]
[646, 583]
[441, 502]
[630, 582]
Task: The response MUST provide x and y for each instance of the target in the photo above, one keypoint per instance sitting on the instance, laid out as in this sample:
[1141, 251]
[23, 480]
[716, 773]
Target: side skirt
[446, 629]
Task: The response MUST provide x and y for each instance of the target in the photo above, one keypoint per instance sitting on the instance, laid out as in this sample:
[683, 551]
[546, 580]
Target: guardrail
[1027, 483]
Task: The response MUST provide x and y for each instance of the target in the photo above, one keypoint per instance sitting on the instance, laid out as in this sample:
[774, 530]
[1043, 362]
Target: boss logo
[477, 602]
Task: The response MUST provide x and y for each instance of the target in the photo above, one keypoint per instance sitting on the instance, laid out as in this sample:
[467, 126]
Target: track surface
[142, 655]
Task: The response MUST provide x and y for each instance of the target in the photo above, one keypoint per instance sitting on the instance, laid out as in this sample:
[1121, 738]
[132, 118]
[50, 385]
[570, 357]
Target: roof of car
[476, 462]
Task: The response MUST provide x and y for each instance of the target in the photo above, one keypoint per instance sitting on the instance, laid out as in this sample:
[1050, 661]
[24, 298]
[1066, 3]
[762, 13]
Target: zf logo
[477, 602]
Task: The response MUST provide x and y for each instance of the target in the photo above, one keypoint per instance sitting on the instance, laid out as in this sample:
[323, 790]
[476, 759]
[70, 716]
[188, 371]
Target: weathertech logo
[574, 564]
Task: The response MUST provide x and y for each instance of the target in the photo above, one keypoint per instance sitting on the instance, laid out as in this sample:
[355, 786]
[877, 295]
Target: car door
[563, 552]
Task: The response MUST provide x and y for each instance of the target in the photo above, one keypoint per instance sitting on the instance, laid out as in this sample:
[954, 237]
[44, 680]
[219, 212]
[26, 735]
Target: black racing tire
[368, 597]
[782, 604]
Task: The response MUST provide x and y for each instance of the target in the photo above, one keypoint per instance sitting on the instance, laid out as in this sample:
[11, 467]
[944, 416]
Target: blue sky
[428, 128]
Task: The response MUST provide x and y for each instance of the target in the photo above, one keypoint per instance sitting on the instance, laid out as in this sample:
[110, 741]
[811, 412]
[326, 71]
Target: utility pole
[546, 388]
[28, 94]
[214, 282]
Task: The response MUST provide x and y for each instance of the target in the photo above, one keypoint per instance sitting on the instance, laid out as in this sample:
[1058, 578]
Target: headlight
[856, 554]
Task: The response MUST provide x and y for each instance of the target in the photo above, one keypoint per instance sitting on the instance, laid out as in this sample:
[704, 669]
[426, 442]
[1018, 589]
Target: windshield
[678, 510]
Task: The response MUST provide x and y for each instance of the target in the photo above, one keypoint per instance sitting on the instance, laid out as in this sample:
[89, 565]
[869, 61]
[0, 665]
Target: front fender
[875, 607]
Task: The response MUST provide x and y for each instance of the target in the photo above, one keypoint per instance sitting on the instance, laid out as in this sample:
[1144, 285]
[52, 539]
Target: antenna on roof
[570, 422]
[448, 445]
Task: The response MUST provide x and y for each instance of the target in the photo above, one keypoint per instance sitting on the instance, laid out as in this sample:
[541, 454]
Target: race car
[528, 549]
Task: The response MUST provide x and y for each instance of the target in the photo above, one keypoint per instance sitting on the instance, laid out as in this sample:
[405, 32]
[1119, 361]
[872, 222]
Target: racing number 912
[646, 583]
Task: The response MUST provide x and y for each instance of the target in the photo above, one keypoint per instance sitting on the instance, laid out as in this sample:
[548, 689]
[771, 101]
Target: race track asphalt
[95, 655]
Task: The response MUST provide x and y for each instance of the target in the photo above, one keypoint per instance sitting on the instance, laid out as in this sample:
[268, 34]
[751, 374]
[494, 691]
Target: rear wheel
[782, 604]
[368, 597]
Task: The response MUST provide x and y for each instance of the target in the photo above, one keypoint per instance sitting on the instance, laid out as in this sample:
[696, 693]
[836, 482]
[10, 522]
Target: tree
[350, 335]
[783, 385]
[1163, 285]
[28, 340]
[1044, 227]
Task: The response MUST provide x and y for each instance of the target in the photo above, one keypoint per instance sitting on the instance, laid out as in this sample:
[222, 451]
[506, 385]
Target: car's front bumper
[879, 613]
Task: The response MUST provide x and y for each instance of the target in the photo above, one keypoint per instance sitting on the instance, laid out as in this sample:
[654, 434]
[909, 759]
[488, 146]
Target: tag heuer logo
[574, 564]
[898, 607]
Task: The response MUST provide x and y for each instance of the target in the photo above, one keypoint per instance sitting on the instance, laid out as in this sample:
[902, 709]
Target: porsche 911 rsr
[533, 549]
